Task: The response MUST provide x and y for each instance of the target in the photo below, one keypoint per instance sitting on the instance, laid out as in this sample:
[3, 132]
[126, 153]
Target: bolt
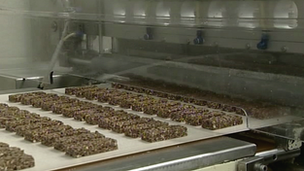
[260, 167]
[274, 157]
[284, 49]
[248, 46]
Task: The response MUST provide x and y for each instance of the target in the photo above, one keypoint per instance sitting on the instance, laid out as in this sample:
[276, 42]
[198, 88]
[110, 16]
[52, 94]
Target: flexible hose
[47, 78]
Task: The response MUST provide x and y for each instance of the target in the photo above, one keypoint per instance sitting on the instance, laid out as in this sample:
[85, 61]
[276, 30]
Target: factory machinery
[247, 55]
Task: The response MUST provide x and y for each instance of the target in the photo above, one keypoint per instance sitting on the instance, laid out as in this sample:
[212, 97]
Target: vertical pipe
[262, 16]
[100, 25]
[100, 38]
[197, 12]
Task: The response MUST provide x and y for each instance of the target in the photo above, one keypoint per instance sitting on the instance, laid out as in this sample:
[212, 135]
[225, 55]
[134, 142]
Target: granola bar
[164, 133]
[63, 143]
[86, 148]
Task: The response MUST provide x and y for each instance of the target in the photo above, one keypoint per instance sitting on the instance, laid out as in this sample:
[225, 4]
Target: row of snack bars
[34, 128]
[164, 108]
[118, 121]
[200, 102]
[13, 158]
[256, 109]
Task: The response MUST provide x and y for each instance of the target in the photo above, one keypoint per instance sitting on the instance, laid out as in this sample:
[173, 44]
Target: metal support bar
[261, 160]
[185, 157]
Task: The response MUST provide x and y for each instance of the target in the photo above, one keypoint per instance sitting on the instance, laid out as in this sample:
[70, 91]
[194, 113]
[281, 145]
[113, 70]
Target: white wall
[15, 46]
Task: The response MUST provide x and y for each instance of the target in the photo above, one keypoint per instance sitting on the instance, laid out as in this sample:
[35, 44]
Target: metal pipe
[100, 29]
[100, 37]
[76, 61]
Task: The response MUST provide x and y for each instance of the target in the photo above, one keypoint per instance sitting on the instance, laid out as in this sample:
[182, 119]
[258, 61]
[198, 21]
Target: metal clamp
[263, 44]
[199, 38]
[149, 34]
[261, 160]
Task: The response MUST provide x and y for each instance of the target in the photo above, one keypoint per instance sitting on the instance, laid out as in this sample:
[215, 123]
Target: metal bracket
[149, 34]
[261, 160]
[199, 38]
[287, 144]
[263, 44]
[290, 137]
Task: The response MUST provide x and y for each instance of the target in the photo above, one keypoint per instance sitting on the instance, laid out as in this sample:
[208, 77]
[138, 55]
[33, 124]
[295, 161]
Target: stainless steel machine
[246, 54]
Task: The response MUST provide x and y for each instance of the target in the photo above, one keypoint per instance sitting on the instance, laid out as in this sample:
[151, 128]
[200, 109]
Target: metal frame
[186, 157]
[261, 160]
